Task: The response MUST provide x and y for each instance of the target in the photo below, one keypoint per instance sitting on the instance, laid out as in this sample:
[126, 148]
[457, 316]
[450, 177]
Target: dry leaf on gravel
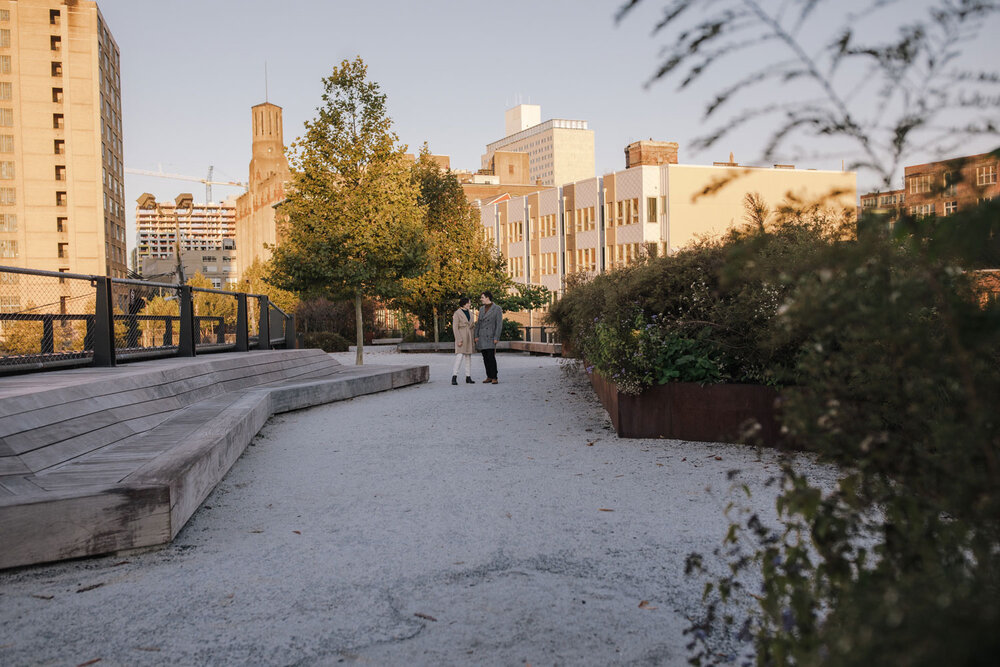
[645, 605]
[604, 509]
[297, 532]
[426, 616]
[89, 588]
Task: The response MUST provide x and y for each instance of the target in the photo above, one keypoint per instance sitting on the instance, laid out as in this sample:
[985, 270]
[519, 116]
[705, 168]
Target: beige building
[597, 224]
[61, 185]
[559, 150]
[256, 228]
[195, 229]
[216, 265]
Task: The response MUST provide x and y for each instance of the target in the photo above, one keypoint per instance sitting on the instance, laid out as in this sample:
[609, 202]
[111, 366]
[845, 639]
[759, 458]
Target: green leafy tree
[352, 222]
[460, 259]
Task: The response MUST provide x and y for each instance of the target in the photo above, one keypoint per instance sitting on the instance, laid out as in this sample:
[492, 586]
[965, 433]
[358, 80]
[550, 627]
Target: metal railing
[53, 319]
[540, 334]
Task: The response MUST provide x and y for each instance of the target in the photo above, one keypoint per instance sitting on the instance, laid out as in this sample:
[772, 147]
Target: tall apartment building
[939, 188]
[61, 173]
[203, 233]
[601, 223]
[559, 150]
[256, 227]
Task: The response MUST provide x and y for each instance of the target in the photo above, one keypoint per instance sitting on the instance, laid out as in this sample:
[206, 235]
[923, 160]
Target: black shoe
[468, 380]
[454, 379]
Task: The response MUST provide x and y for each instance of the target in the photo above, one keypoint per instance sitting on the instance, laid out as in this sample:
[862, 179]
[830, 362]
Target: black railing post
[220, 331]
[186, 335]
[242, 334]
[168, 330]
[104, 325]
[264, 336]
[48, 335]
[290, 332]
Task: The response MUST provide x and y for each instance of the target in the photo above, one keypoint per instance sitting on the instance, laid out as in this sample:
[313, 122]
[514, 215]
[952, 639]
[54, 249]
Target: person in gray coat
[488, 328]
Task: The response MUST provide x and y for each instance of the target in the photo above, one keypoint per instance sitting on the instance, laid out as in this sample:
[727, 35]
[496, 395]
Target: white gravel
[477, 524]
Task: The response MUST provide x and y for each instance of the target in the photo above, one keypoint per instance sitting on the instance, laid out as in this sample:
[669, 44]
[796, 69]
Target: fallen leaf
[573, 392]
[427, 616]
[297, 532]
[256, 531]
[89, 662]
[590, 444]
[718, 458]
[588, 429]
[459, 562]
[660, 464]
[84, 590]
[43, 597]
[602, 509]
[122, 562]
[617, 476]
[684, 459]
[645, 605]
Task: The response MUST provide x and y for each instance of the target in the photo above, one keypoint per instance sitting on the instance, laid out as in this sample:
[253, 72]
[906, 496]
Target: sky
[191, 70]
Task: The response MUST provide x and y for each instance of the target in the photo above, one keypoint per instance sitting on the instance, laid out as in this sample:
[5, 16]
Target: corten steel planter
[690, 411]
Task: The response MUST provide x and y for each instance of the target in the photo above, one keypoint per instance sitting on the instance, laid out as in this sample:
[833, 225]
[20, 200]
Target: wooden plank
[69, 526]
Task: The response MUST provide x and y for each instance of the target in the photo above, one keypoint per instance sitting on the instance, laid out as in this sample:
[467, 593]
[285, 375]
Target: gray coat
[488, 327]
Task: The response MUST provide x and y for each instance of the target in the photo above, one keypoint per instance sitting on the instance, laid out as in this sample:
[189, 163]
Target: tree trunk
[436, 338]
[359, 359]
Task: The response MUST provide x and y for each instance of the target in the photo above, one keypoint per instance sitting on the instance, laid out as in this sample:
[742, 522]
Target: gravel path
[477, 524]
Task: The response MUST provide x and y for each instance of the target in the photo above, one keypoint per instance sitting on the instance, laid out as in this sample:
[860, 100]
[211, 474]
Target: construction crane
[179, 177]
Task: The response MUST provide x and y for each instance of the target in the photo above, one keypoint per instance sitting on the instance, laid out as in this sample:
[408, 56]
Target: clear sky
[191, 70]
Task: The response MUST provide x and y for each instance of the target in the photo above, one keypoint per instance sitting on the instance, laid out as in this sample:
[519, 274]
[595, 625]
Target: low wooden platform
[100, 460]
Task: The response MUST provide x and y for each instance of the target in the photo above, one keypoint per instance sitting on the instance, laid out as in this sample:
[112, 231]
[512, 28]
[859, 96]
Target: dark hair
[464, 300]
[488, 295]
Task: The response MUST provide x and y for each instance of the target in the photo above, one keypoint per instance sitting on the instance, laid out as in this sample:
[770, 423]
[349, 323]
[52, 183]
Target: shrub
[328, 341]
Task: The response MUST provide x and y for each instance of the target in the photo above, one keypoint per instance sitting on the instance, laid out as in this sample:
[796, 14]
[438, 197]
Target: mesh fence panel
[44, 318]
[146, 317]
[215, 318]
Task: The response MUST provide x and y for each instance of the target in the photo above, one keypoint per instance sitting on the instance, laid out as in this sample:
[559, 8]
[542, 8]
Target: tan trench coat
[463, 332]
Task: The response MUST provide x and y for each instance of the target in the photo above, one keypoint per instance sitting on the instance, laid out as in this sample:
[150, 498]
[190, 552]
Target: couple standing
[482, 335]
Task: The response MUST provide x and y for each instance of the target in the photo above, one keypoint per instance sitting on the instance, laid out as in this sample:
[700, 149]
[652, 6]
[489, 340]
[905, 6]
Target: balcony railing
[53, 319]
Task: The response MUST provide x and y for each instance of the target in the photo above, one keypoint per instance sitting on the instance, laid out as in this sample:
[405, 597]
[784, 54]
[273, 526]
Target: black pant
[490, 361]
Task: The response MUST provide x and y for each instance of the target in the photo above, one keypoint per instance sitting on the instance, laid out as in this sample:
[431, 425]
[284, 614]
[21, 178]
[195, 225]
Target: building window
[6, 117]
[8, 196]
[4, 64]
[919, 184]
[56, 68]
[4, 15]
[6, 143]
[57, 121]
[60, 172]
[8, 222]
[8, 248]
[986, 175]
[950, 179]
[57, 95]
[4, 39]
[6, 90]
[61, 224]
[55, 42]
[53, 17]
[950, 207]
[6, 170]
[63, 250]
[650, 209]
[59, 146]
[61, 198]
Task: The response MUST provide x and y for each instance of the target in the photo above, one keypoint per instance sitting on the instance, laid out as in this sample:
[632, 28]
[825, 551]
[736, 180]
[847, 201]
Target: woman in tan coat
[461, 325]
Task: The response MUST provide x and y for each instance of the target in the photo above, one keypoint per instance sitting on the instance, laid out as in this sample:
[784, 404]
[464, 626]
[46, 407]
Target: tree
[460, 259]
[351, 220]
[817, 73]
